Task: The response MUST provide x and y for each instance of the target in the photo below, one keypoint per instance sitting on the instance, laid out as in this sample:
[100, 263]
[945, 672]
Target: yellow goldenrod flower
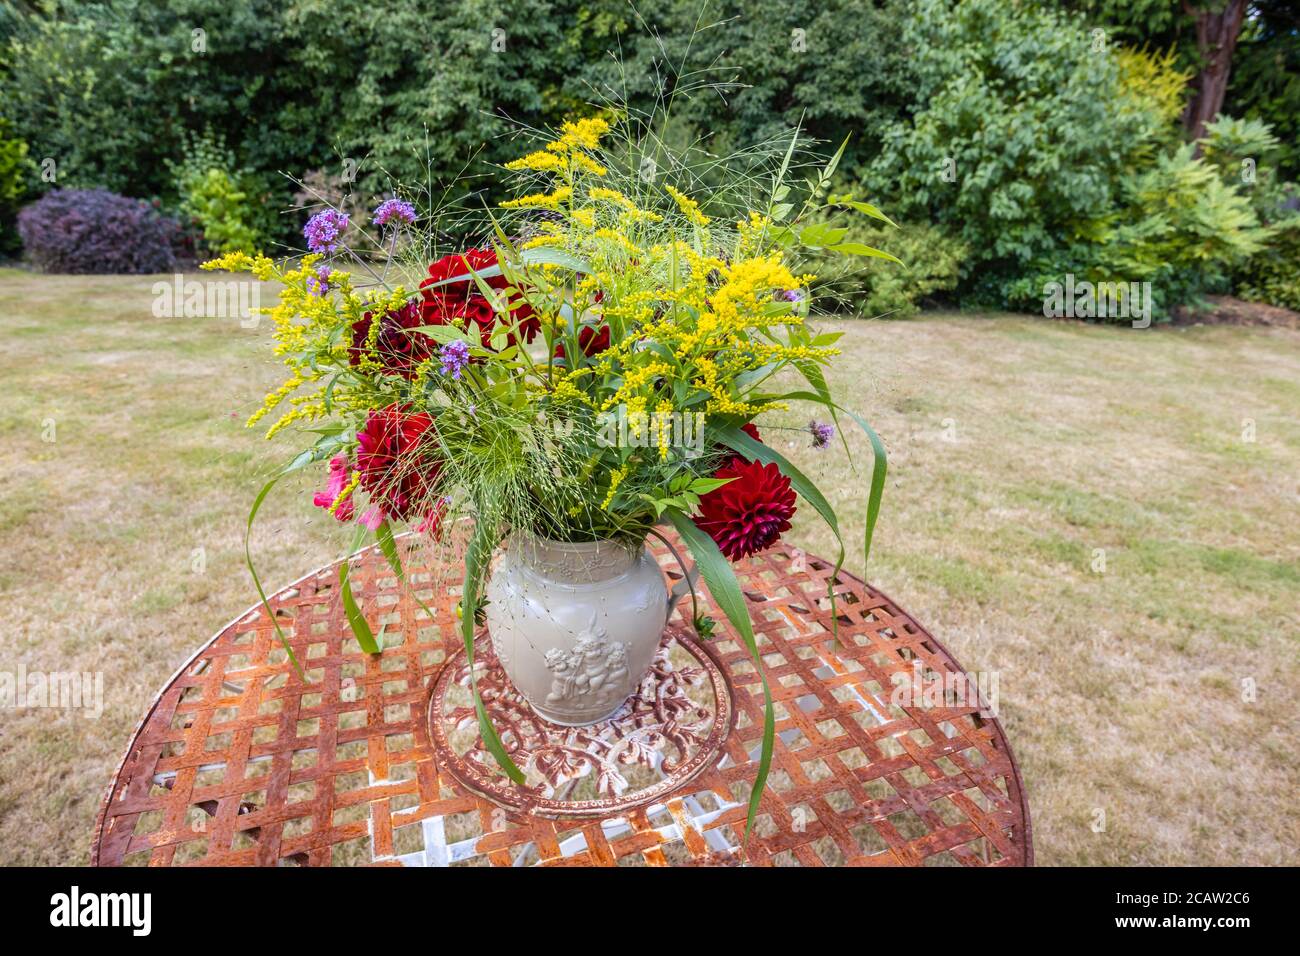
[583, 134]
[540, 161]
[343, 495]
[689, 207]
[551, 200]
[615, 479]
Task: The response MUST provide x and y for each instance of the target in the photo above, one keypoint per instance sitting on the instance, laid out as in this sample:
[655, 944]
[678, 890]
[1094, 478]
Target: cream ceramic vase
[576, 625]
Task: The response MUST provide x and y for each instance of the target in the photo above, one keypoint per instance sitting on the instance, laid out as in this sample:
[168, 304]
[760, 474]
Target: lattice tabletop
[238, 762]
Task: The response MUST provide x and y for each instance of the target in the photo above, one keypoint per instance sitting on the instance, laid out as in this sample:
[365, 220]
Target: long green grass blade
[356, 620]
[548, 255]
[257, 582]
[721, 580]
[476, 557]
[384, 535]
[803, 485]
[880, 460]
[879, 467]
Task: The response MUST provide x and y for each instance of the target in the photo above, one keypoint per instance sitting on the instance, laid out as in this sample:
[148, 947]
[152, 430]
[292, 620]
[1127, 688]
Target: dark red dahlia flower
[591, 341]
[464, 301]
[749, 513]
[398, 348]
[397, 460]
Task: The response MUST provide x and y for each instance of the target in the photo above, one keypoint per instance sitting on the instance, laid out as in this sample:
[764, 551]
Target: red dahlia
[464, 301]
[398, 348]
[748, 513]
[590, 341]
[395, 456]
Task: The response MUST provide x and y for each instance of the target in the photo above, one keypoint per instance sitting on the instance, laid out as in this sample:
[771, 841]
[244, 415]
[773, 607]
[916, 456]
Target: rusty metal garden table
[239, 762]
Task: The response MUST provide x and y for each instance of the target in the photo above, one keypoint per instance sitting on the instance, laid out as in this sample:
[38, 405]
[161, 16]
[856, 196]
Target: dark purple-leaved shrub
[96, 231]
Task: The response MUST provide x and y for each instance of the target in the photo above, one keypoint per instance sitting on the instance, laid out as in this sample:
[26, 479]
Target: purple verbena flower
[391, 209]
[822, 433]
[791, 295]
[324, 229]
[454, 357]
[319, 284]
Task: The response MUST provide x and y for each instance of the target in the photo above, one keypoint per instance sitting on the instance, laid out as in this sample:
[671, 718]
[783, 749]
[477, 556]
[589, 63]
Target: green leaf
[879, 466]
[834, 161]
[867, 208]
[356, 620]
[702, 486]
[384, 535]
[721, 581]
[257, 582]
[746, 445]
[548, 255]
[486, 272]
[861, 249]
[327, 430]
[476, 558]
[782, 236]
[819, 235]
[736, 439]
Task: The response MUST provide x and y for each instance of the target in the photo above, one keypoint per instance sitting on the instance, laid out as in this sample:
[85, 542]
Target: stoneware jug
[576, 624]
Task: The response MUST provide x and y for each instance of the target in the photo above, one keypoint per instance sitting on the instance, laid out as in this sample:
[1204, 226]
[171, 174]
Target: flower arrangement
[591, 371]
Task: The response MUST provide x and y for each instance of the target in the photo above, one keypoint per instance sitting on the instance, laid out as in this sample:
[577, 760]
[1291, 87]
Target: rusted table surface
[238, 762]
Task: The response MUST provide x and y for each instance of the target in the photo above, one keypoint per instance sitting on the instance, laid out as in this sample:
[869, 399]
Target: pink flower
[338, 480]
[432, 523]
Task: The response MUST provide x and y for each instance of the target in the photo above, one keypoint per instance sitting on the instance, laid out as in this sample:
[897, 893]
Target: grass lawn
[1151, 704]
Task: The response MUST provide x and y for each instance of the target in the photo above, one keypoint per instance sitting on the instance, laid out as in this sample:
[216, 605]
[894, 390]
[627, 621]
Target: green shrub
[217, 197]
[875, 287]
[1153, 85]
[220, 208]
[1175, 224]
[1050, 151]
[16, 171]
[108, 86]
[1274, 276]
[1246, 153]
[1182, 228]
[1020, 135]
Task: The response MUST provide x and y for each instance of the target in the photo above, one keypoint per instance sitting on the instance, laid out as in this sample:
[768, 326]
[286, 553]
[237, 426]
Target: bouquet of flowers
[592, 370]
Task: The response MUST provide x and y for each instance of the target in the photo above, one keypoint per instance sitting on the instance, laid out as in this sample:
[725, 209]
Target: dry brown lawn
[1151, 704]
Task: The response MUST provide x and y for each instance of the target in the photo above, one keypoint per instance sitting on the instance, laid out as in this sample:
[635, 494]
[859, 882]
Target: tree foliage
[1016, 130]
